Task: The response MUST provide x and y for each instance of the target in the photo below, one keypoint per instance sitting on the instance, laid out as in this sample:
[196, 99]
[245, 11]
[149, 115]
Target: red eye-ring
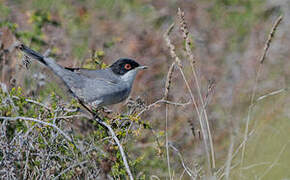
[127, 66]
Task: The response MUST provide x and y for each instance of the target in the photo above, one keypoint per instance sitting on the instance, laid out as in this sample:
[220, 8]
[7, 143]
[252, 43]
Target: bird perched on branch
[94, 87]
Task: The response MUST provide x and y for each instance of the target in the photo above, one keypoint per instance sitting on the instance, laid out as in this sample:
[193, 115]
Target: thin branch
[234, 154]
[255, 165]
[72, 116]
[113, 134]
[67, 169]
[147, 108]
[119, 146]
[26, 163]
[271, 94]
[38, 121]
[275, 161]
[187, 170]
[34, 102]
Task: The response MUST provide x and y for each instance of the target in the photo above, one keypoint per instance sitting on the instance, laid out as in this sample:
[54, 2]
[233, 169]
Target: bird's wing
[102, 74]
[104, 91]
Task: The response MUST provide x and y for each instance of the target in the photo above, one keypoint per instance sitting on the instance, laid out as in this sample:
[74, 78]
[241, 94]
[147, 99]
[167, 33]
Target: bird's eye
[128, 66]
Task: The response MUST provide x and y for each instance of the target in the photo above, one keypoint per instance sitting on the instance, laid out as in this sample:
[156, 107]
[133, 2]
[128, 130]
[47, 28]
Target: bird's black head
[123, 65]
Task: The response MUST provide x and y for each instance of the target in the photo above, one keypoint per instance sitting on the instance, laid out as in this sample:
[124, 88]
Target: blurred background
[228, 37]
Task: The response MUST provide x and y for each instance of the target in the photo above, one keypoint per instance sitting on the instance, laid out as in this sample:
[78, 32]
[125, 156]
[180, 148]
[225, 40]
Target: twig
[154, 177]
[234, 154]
[38, 121]
[261, 61]
[67, 169]
[271, 94]
[72, 116]
[275, 161]
[187, 170]
[119, 145]
[159, 102]
[26, 163]
[98, 119]
[34, 102]
[255, 165]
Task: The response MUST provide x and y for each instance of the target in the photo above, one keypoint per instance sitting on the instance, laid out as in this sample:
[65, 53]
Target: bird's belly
[101, 93]
[115, 97]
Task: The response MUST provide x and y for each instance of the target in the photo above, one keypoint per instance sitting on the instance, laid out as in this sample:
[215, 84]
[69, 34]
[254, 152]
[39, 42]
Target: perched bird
[94, 87]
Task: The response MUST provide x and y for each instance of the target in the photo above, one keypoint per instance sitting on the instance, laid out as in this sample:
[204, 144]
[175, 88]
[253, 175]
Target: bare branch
[38, 121]
[147, 108]
[113, 134]
[187, 170]
[67, 169]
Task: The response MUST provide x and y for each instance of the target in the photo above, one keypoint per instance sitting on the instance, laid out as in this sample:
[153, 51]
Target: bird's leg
[107, 110]
[87, 108]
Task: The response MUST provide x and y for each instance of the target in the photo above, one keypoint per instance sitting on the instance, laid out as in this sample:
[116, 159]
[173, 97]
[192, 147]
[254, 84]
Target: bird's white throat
[130, 76]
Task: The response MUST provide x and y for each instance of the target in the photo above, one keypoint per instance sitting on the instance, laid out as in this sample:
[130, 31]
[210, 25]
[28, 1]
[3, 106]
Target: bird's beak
[142, 67]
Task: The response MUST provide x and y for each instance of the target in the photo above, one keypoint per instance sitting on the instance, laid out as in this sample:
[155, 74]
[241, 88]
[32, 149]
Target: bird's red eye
[128, 66]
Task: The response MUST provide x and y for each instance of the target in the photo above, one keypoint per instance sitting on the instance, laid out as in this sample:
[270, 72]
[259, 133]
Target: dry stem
[192, 59]
[166, 92]
[179, 65]
[261, 60]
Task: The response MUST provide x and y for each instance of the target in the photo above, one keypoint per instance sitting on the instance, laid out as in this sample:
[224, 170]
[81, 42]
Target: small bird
[94, 87]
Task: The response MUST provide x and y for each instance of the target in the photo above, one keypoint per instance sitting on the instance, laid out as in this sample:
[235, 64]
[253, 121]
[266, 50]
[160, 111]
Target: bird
[95, 88]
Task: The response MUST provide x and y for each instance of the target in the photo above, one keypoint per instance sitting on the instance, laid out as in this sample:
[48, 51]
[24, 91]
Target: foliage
[43, 152]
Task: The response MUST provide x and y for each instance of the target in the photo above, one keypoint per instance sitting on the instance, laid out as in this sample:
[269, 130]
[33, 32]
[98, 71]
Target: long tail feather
[31, 53]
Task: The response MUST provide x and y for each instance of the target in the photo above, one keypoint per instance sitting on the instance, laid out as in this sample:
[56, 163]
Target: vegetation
[214, 103]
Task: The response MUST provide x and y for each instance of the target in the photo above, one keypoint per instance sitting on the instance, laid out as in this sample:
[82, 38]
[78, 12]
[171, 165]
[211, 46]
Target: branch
[38, 121]
[119, 145]
[113, 134]
[67, 169]
[147, 108]
[187, 170]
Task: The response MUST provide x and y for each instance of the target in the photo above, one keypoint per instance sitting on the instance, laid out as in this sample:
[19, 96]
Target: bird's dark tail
[31, 53]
